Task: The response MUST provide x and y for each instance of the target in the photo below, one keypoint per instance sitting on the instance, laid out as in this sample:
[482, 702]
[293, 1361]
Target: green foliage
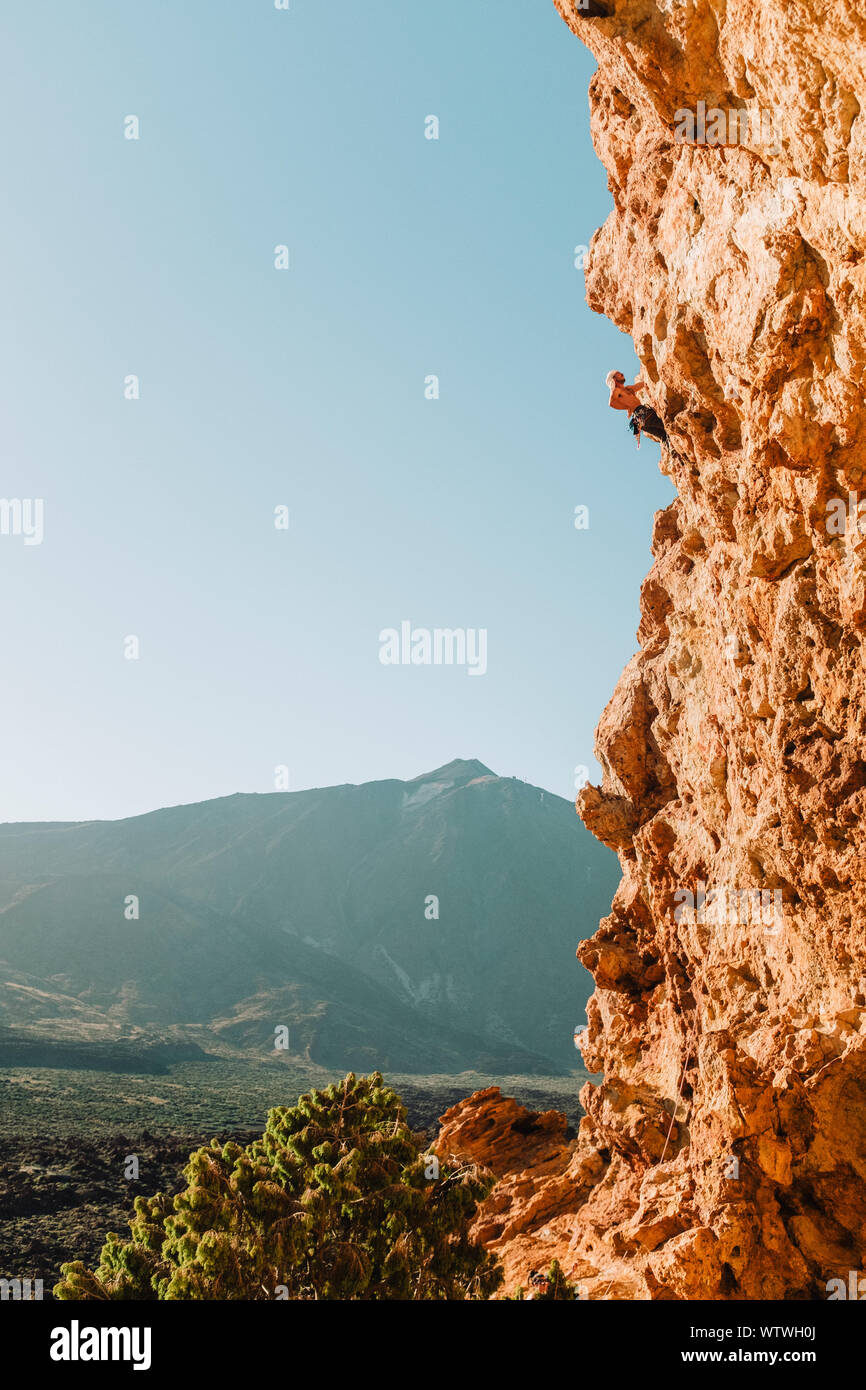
[331, 1203]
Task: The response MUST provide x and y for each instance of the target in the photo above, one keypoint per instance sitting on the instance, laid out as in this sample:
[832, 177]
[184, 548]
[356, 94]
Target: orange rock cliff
[723, 1155]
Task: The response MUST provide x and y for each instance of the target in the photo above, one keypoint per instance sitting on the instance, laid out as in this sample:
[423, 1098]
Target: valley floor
[66, 1137]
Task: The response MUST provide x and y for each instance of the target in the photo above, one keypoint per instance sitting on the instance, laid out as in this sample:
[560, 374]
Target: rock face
[723, 1156]
[528, 1219]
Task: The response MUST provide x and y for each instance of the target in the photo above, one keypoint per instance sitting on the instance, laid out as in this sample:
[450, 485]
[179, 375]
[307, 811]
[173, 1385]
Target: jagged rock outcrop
[528, 1218]
[726, 1145]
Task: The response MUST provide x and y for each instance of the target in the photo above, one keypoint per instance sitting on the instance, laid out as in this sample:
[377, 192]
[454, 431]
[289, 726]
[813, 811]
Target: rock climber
[540, 1284]
[642, 419]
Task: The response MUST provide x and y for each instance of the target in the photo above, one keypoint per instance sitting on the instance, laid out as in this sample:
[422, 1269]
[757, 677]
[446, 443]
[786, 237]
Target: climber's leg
[644, 420]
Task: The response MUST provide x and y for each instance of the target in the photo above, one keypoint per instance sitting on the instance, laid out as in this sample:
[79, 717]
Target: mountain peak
[459, 770]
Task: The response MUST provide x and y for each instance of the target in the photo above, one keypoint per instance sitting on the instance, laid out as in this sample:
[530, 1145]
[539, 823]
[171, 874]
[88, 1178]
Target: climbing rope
[682, 1081]
[689, 1042]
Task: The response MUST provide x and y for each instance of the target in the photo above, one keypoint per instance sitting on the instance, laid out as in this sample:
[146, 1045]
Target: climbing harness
[644, 420]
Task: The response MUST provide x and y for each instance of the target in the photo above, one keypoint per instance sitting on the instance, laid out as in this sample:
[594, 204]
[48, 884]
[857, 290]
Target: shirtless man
[623, 397]
[642, 418]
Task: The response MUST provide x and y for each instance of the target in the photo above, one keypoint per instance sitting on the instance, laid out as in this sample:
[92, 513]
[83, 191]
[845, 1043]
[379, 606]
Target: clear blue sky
[259, 387]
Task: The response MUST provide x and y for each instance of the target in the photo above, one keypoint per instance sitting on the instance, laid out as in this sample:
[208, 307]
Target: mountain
[422, 926]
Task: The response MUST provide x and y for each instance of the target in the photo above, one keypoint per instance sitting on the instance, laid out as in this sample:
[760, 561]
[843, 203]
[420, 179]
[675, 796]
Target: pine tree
[333, 1202]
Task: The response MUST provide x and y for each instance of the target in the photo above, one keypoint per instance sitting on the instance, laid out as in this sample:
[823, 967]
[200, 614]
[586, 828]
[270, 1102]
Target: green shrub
[333, 1202]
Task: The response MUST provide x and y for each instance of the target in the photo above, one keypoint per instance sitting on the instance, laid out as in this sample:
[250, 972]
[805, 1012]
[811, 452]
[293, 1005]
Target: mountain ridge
[399, 910]
[481, 771]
